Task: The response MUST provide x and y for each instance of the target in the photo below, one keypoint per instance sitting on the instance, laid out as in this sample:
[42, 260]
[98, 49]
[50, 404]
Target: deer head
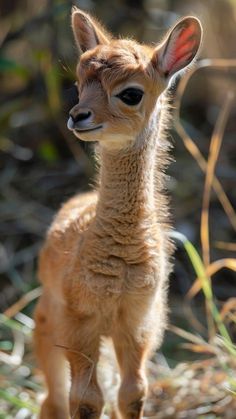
[120, 80]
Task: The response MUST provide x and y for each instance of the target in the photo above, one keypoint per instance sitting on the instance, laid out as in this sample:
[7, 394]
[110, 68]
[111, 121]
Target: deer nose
[81, 116]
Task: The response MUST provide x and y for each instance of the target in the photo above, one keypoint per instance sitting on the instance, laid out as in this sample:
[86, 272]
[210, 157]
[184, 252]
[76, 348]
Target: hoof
[86, 412]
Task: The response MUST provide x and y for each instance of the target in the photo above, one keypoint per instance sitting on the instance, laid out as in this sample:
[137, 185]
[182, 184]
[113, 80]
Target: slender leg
[52, 361]
[86, 399]
[131, 356]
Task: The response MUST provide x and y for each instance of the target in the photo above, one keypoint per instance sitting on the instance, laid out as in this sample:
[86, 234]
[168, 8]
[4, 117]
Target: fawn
[106, 260]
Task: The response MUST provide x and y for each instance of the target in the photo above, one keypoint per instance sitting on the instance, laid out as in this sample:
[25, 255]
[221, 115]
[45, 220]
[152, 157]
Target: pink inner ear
[183, 55]
[183, 48]
[187, 47]
[187, 33]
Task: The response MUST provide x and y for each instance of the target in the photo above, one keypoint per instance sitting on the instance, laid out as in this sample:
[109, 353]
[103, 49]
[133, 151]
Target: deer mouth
[89, 129]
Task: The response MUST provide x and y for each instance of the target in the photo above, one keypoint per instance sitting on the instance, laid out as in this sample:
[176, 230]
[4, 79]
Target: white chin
[89, 136]
[117, 141]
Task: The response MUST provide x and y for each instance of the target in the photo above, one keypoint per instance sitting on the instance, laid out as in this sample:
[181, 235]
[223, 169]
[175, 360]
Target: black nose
[81, 116]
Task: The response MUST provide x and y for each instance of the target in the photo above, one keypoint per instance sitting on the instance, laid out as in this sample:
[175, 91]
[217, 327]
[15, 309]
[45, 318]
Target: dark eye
[131, 96]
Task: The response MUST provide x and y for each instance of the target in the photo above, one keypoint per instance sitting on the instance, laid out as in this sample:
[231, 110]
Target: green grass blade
[17, 402]
[200, 272]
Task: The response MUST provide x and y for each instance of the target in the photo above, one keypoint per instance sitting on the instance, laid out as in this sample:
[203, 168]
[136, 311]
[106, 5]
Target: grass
[202, 266]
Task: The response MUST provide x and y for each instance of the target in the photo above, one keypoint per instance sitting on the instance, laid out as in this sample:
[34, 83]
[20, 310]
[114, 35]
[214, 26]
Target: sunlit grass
[219, 336]
[203, 266]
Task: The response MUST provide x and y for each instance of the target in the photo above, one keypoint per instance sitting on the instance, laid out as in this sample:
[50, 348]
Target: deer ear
[179, 48]
[88, 32]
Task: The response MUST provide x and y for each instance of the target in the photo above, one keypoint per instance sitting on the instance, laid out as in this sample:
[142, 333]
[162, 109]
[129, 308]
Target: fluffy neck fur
[131, 180]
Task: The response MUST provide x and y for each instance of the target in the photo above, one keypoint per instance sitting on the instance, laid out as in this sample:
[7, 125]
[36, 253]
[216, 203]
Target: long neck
[126, 183]
[127, 178]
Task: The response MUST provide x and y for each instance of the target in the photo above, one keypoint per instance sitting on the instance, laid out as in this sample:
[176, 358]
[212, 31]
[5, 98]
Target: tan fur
[105, 263]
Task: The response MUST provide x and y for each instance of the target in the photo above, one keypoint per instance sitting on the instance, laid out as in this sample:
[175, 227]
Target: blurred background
[42, 164]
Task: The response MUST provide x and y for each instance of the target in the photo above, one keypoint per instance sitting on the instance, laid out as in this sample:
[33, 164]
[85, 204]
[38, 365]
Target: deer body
[105, 263]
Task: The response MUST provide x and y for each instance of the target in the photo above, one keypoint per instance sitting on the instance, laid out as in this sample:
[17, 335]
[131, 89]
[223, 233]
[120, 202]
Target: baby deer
[105, 263]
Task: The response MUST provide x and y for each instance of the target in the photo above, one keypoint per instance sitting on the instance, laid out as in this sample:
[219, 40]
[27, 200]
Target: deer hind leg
[52, 361]
[86, 399]
[131, 356]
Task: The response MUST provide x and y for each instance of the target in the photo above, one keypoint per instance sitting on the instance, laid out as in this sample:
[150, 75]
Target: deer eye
[131, 96]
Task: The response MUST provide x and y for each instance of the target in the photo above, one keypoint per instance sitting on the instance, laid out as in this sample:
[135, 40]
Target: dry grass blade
[215, 145]
[195, 288]
[211, 270]
[221, 263]
[189, 143]
[23, 301]
[197, 340]
[195, 323]
[197, 155]
[218, 63]
[228, 307]
[231, 247]
[201, 349]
